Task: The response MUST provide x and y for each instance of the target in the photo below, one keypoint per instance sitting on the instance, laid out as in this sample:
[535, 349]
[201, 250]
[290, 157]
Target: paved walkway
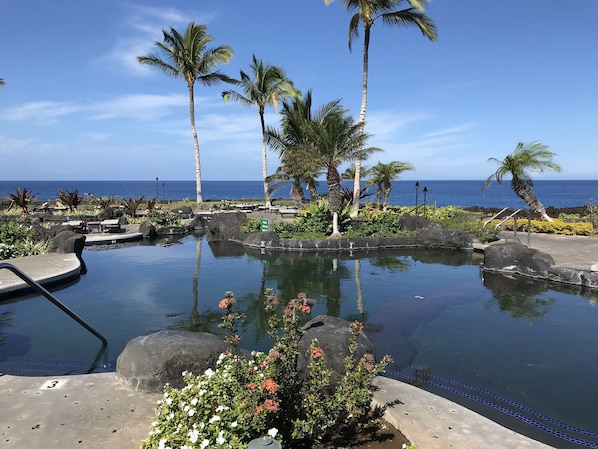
[96, 411]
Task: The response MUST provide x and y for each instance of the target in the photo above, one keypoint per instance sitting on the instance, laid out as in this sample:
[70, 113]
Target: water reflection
[519, 296]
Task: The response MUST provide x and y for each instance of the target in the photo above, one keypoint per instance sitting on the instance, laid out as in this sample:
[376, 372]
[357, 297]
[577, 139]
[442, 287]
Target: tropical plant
[382, 176]
[132, 204]
[187, 56]
[247, 397]
[2, 83]
[104, 201]
[299, 163]
[534, 157]
[336, 139]
[71, 199]
[326, 138]
[367, 12]
[264, 86]
[21, 198]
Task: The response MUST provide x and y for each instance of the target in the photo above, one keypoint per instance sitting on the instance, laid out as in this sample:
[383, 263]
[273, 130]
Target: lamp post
[416, 192]
[425, 193]
[156, 187]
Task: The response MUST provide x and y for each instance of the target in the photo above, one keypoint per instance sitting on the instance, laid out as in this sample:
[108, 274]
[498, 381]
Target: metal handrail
[500, 223]
[42, 291]
[493, 217]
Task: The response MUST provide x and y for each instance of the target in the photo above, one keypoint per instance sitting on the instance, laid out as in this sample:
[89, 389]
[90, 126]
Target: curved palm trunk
[523, 191]
[313, 192]
[264, 164]
[195, 143]
[364, 100]
[334, 191]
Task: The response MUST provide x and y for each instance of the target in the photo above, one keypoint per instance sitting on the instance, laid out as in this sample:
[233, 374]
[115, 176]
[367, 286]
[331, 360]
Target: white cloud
[138, 106]
[40, 112]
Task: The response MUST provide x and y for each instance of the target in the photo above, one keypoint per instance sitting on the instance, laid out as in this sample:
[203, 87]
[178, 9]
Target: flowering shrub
[246, 397]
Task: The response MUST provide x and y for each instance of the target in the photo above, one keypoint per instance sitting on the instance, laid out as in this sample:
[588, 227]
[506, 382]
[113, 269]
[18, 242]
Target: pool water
[463, 335]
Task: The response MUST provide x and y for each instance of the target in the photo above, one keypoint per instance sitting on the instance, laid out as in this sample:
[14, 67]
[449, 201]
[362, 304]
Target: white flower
[214, 419]
[169, 401]
[234, 424]
[193, 435]
[205, 443]
[191, 412]
[272, 432]
[194, 402]
[185, 373]
[209, 372]
[201, 392]
[221, 440]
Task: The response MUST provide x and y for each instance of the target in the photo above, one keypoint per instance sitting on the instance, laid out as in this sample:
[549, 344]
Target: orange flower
[316, 352]
[269, 385]
[305, 308]
[226, 302]
[251, 386]
[357, 326]
[271, 405]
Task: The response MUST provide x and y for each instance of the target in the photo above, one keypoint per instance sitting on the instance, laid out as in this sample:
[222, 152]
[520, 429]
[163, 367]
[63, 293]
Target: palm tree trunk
[387, 189]
[297, 194]
[364, 100]
[523, 191]
[264, 163]
[334, 191]
[195, 143]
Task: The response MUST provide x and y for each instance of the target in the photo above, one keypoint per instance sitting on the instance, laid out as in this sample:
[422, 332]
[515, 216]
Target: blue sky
[78, 106]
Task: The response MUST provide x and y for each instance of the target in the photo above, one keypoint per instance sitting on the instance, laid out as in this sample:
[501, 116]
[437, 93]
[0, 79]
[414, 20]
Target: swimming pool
[526, 343]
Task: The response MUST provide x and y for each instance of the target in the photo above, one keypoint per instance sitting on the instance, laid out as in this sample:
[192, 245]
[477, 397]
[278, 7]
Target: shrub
[554, 227]
[251, 225]
[16, 241]
[245, 398]
[592, 211]
[163, 219]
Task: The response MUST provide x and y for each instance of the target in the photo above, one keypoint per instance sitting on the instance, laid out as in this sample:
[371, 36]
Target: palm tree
[264, 86]
[382, 177]
[187, 56]
[366, 13]
[337, 139]
[299, 163]
[526, 157]
[2, 83]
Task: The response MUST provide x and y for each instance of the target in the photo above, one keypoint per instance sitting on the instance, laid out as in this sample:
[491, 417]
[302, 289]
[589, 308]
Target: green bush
[245, 398]
[554, 227]
[16, 240]
[163, 219]
[251, 225]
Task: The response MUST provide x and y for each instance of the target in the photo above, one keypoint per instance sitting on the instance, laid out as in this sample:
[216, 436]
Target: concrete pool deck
[97, 411]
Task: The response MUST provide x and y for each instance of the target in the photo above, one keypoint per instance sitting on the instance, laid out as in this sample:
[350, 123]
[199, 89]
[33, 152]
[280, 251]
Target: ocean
[440, 193]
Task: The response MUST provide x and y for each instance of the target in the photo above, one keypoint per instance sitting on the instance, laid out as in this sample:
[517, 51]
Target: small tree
[526, 157]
